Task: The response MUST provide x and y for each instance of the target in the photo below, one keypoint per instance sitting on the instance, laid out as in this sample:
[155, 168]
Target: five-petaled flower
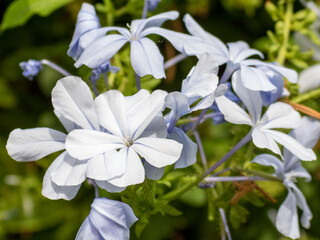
[132, 126]
[289, 169]
[278, 115]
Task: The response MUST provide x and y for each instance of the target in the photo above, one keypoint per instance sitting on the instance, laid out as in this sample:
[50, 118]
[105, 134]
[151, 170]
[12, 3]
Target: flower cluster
[115, 141]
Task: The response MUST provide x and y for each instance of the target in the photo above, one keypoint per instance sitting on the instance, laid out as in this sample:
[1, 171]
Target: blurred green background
[26, 214]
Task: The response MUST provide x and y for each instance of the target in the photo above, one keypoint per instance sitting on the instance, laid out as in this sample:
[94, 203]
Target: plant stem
[179, 191]
[234, 179]
[224, 221]
[55, 67]
[201, 150]
[145, 9]
[243, 141]
[281, 58]
[260, 174]
[174, 60]
[306, 96]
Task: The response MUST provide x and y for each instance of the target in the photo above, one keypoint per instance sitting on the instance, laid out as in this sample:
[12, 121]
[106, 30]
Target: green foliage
[20, 11]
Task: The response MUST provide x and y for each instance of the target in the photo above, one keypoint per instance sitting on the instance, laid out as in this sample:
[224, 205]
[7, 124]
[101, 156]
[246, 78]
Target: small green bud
[272, 10]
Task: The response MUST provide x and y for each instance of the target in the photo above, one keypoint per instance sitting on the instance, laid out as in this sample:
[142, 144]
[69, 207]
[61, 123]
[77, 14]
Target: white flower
[278, 115]
[74, 106]
[201, 83]
[236, 58]
[145, 55]
[108, 219]
[289, 169]
[132, 127]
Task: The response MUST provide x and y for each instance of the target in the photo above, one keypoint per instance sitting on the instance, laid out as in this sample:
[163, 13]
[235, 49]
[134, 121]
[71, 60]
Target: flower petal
[106, 166]
[262, 140]
[189, 151]
[287, 217]
[137, 26]
[34, 144]
[146, 58]
[280, 115]
[251, 99]
[144, 113]
[157, 128]
[291, 144]
[101, 50]
[240, 50]
[109, 187]
[67, 124]
[178, 103]
[309, 79]
[111, 109]
[218, 47]
[302, 204]
[202, 80]
[232, 112]
[254, 79]
[72, 98]
[68, 171]
[152, 172]
[134, 173]
[288, 73]
[159, 152]
[83, 144]
[108, 219]
[52, 190]
[269, 160]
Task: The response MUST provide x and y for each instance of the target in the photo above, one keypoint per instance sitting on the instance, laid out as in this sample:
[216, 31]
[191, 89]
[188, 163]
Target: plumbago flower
[87, 30]
[235, 56]
[108, 219]
[73, 105]
[278, 115]
[145, 55]
[31, 68]
[132, 126]
[201, 83]
[289, 169]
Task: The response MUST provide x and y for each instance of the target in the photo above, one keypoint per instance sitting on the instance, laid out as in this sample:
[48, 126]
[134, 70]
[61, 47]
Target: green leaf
[142, 223]
[7, 98]
[163, 207]
[20, 11]
[237, 215]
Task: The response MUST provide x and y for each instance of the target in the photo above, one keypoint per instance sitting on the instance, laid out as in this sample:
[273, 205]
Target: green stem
[109, 12]
[286, 32]
[306, 96]
[260, 174]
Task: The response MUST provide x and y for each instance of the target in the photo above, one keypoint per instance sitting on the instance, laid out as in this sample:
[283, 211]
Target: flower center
[128, 141]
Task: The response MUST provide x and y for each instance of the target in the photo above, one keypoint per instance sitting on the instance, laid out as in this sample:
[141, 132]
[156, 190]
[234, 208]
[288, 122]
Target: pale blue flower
[87, 30]
[104, 68]
[278, 115]
[73, 105]
[201, 83]
[218, 117]
[309, 79]
[145, 55]
[30, 68]
[235, 56]
[132, 128]
[107, 220]
[272, 96]
[289, 169]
